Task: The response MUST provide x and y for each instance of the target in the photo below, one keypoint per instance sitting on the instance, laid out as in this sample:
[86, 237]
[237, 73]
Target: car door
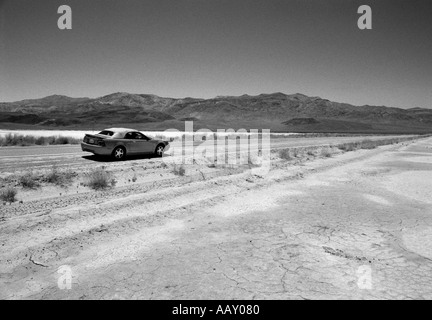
[143, 144]
[130, 142]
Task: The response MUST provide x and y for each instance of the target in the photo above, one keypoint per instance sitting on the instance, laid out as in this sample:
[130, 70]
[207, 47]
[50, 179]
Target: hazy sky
[205, 48]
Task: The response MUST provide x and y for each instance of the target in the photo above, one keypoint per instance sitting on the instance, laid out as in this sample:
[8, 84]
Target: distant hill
[277, 111]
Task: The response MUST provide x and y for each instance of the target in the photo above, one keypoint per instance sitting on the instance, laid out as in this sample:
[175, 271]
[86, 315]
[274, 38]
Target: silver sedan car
[119, 142]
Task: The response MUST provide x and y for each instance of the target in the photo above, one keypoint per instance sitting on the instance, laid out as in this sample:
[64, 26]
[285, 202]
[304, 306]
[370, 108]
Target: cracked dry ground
[301, 232]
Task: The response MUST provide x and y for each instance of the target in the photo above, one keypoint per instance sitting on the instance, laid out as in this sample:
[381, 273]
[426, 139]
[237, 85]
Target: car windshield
[106, 133]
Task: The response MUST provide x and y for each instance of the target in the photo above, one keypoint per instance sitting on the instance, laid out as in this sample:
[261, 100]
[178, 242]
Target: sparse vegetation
[372, 144]
[98, 179]
[8, 194]
[296, 152]
[29, 180]
[326, 152]
[59, 178]
[311, 153]
[113, 182]
[330, 150]
[11, 139]
[368, 144]
[350, 146]
[285, 154]
[163, 165]
[179, 170]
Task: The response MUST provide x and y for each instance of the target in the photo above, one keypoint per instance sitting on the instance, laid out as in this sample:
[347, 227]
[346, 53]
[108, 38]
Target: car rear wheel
[159, 150]
[119, 153]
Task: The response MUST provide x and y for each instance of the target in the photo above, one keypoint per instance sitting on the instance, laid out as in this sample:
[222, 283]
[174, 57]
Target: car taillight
[101, 143]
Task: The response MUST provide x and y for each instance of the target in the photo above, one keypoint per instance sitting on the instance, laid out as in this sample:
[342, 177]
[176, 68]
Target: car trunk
[95, 139]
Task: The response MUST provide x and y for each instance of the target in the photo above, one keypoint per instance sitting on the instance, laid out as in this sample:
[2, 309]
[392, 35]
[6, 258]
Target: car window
[106, 133]
[140, 136]
[135, 135]
[130, 135]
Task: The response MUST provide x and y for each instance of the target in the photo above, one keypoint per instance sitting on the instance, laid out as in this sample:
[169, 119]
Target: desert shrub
[40, 141]
[29, 180]
[59, 178]
[163, 165]
[326, 152]
[296, 153]
[285, 154]
[9, 140]
[311, 153]
[54, 176]
[17, 140]
[61, 140]
[369, 144]
[113, 182]
[8, 194]
[50, 140]
[12, 139]
[4, 141]
[350, 146]
[98, 179]
[179, 170]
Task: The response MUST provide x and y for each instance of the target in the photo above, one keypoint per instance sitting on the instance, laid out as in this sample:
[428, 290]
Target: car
[120, 142]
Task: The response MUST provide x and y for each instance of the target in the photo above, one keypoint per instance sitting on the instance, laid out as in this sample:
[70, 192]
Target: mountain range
[277, 111]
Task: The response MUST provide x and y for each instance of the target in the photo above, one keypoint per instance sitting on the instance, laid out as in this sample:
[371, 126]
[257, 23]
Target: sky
[206, 48]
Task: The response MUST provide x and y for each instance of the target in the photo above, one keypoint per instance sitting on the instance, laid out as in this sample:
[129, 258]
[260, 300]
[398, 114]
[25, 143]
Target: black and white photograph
[215, 155]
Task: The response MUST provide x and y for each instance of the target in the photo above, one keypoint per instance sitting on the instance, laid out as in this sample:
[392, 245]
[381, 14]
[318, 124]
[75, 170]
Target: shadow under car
[98, 158]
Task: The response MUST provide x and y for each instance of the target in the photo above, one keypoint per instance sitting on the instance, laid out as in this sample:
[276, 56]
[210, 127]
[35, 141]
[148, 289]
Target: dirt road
[357, 225]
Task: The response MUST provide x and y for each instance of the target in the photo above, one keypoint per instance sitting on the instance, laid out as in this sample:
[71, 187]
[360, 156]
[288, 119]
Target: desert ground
[314, 227]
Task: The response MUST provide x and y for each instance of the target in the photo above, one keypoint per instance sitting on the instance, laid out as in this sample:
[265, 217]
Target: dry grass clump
[8, 194]
[350, 146]
[326, 152]
[29, 180]
[179, 170]
[367, 144]
[99, 179]
[311, 153]
[11, 139]
[60, 178]
[296, 152]
[285, 154]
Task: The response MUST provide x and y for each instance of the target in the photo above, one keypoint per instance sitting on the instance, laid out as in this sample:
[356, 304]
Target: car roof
[119, 130]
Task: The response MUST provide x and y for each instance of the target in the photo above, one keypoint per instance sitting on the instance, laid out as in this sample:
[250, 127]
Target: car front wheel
[159, 150]
[119, 153]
